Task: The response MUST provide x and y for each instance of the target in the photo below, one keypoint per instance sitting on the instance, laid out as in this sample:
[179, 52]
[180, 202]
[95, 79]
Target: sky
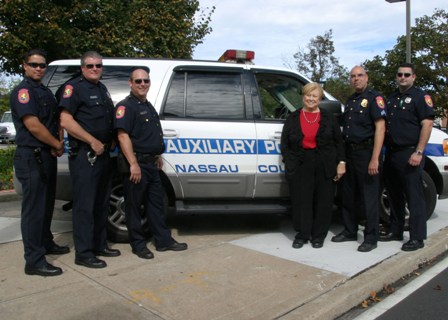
[276, 30]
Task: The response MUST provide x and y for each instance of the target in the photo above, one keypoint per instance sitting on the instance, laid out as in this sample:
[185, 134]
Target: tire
[117, 230]
[430, 193]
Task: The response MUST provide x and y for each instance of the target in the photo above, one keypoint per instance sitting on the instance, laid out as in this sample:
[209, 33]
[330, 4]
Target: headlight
[445, 147]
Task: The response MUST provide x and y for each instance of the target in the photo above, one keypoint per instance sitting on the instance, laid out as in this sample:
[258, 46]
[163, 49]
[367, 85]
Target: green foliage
[339, 87]
[429, 51]
[318, 61]
[6, 86]
[132, 28]
[6, 168]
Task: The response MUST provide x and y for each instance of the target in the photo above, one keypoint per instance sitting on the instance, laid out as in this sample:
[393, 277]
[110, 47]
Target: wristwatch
[419, 152]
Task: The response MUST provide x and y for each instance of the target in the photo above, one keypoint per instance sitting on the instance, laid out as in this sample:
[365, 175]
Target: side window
[115, 78]
[279, 94]
[205, 95]
[175, 101]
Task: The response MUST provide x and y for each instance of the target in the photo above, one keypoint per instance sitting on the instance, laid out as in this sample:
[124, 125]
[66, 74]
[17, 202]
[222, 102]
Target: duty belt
[367, 144]
[399, 148]
[146, 157]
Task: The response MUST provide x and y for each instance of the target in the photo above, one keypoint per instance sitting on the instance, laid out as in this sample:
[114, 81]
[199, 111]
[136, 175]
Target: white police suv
[222, 124]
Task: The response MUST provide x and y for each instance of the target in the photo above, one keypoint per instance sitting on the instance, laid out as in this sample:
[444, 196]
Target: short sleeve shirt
[91, 106]
[33, 98]
[361, 112]
[141, 122]
[406, 111]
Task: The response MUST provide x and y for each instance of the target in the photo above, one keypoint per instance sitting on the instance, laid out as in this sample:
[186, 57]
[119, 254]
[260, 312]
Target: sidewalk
[223, 275]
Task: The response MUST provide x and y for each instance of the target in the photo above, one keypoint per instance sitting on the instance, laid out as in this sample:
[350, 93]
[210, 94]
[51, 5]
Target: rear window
[205, 95]
[115, 78]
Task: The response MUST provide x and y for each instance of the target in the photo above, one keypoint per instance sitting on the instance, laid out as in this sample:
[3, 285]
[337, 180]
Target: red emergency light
[238, 56]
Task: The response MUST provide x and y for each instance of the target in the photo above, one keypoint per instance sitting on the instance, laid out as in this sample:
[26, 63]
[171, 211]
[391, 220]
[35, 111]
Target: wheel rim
[117, 216]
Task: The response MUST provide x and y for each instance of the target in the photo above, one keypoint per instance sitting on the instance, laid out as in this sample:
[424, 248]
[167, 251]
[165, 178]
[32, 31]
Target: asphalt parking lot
[236, 267]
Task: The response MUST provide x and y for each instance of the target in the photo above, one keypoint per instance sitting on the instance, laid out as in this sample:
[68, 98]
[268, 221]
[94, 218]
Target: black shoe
[145, 253]
[175, 246]
[56, 249]
[317, 244]
[108, 252]
[413, 245]
[342, 237]
[91, 262]
[298, 243]
[366, 247]
[47, 270]
[391, 237]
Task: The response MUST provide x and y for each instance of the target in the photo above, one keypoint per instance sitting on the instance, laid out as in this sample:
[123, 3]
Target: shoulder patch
[68, 91]
[428, 101]
[120, 112]
[23, 96]
[380, 102]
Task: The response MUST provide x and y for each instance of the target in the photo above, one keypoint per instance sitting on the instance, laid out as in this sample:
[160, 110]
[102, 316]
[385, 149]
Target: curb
[351, 292]
[9, 195]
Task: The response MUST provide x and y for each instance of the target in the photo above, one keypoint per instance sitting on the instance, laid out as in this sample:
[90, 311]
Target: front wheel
[117, 230]
[429, 191]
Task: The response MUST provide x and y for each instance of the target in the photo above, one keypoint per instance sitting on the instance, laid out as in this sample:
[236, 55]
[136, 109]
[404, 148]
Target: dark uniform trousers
[37, 207]
[148, 192]
[91, 191]
[360, 194]
[399, 176]
[312, 195]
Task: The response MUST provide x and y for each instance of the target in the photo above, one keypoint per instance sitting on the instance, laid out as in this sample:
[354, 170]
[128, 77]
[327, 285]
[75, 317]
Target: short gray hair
[90, 54]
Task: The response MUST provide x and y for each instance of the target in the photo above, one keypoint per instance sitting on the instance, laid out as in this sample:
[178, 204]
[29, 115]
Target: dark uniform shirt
[361, 112]
[141, 122]
[32, 98]
[405, 112]
[91, 106]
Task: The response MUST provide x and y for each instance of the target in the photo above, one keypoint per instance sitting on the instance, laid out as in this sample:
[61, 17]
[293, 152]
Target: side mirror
[334, 107]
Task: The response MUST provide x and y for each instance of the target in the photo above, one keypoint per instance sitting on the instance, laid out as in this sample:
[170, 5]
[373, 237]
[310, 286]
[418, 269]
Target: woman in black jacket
[313, 153]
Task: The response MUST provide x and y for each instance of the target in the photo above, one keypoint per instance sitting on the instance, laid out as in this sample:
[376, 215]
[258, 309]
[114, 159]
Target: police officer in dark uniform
[35, 116]
[363, 124]
[87, 115]
[141, 142]
[410, 113]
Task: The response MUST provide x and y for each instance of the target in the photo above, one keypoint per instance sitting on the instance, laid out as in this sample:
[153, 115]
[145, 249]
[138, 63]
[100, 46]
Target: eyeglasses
[98, 66]
[406, 75]
[34, 65]
[139, 81]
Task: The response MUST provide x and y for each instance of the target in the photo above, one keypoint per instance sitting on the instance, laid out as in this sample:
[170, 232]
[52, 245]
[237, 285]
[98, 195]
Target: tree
[429, 49]
[6, 86]
[318, 62]
[68, 28]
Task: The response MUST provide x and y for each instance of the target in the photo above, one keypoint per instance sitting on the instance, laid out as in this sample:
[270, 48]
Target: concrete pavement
[235, 268]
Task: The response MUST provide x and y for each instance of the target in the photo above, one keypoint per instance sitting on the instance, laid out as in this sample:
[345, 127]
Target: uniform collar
[407, 92]
[132, 96]
[81, 78]
[32, 82]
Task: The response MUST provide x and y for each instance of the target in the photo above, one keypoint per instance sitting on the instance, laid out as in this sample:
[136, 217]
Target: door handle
[276, 135]
[170, 133]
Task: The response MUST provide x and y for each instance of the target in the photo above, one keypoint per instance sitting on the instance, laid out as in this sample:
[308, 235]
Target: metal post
[408, 27]
[408, 31]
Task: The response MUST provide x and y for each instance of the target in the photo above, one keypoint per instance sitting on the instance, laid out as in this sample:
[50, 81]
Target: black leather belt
[146, 157]
[399, 148]
[367, 144]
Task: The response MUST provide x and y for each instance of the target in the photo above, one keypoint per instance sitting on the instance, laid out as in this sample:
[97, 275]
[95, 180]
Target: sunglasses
[406, 75]
[139, 81]
[98, 66]
[34, 65]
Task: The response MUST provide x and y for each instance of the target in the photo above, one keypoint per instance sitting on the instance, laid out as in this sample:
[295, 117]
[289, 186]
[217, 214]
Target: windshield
[7, 117]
